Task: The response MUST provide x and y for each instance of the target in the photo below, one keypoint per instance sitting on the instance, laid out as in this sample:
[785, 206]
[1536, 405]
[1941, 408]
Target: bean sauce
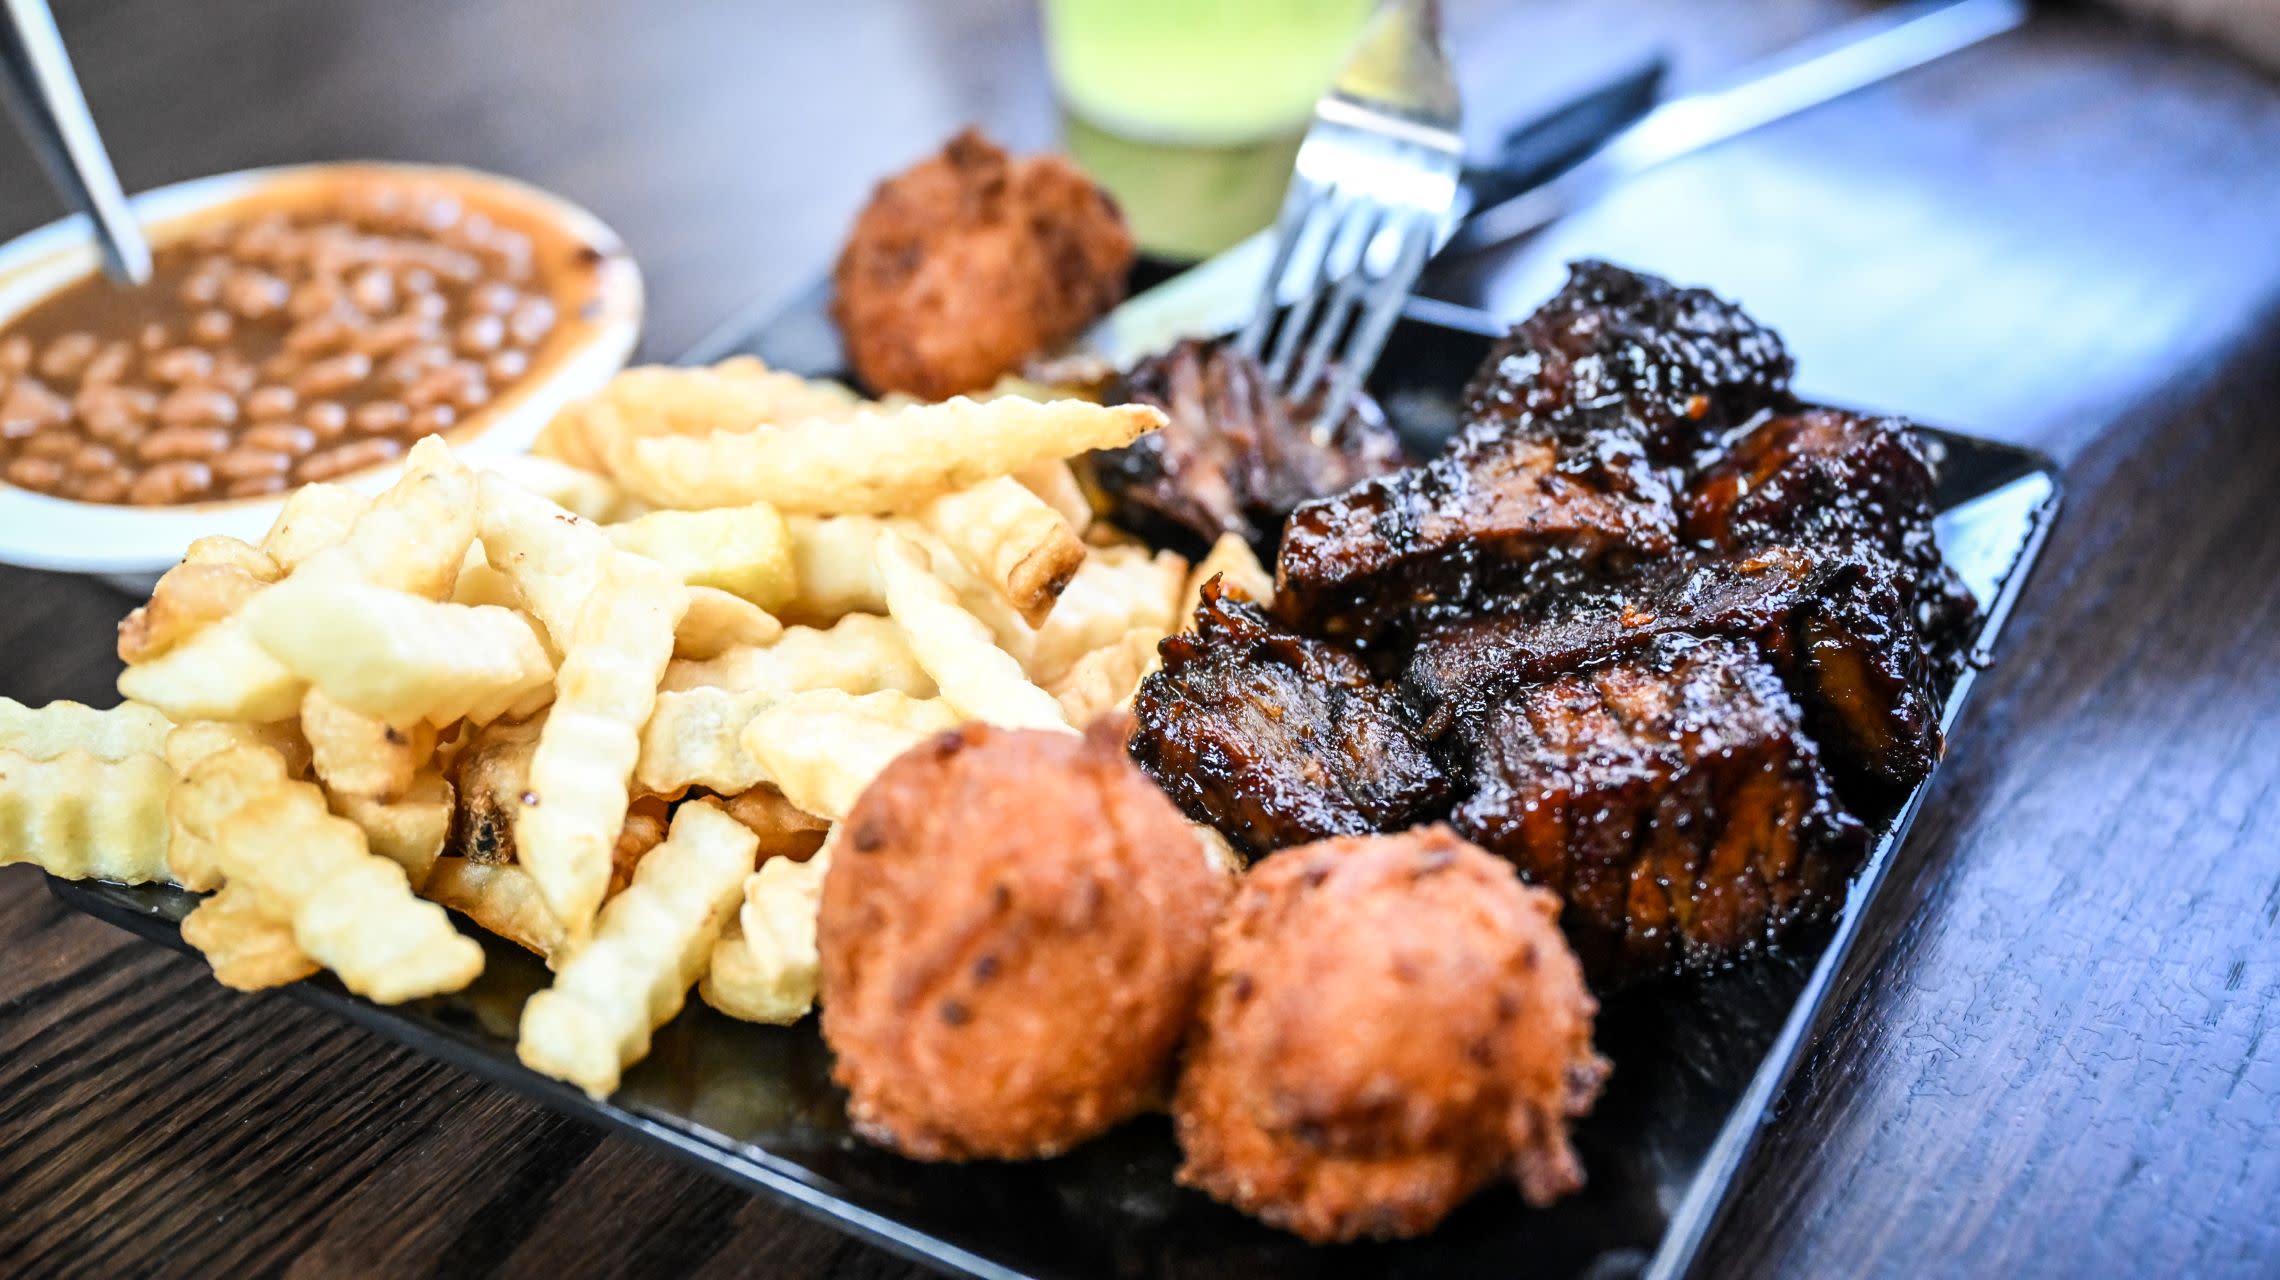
[279, 346]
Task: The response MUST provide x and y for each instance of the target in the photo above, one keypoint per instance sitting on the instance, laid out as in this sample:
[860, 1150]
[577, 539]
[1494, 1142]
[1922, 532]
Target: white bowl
[131, 543]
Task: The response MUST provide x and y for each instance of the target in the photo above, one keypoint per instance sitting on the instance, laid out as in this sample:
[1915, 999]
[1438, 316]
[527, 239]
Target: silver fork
[1373, 194]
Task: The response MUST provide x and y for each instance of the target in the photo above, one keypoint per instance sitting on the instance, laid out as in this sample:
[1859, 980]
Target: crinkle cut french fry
[785, 829]
[765, 967]
[822, 747]
[218, 674]
[1007, 627]
[350, 910]
[409, 831]
[554, 558]
[247, 949]
[499, 897]
[979, 679]
[717, 622]
[1054, 481]
[834, 561]
[582, 490]
[734, 395]
[315, 516]
[745, 551]
[82, 817]
[399, 658]
[113, 733]
[873, 462]
[1232, 557]
[216, 577]
[1011, 539]
[576, 804]
[357, 755]
[1116, 593]
[414, 536]
[692, 740]
[860, 653]
[1105, 679]
[189, 861]
[649, 946]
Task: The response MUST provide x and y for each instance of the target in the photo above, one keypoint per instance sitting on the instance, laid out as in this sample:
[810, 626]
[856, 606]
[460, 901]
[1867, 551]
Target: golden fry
[411, 831]
[357, 755]
[735, 395]
[115, 733]
[860, 653]
[1117, 593]
[489, 775]
[692, 740]
[980, 680]
[584, 491]
[501, 898]
[873, 462]
[413, 537]
[188, 860]
[1231, 557]
[1011, 539]
[745, 551]
[649, 946]
[217, 576]
[247, 948]
[1053, 481]
[834, 560]
[396, 657]
[765, 968]
[554, 558]
[822, 747]
[717, 622]
[81, 817]
[218, 674]
[315, 516]
[350, 911]
[1105, 679]
[785, 829]
[576, 804]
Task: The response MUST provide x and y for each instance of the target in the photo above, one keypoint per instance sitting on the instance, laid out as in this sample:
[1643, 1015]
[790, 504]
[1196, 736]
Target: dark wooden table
[2058, 1064]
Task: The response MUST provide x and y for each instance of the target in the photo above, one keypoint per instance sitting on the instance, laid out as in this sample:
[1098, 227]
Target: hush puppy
[1391, 1022]
[972, 261]
[1014, 933]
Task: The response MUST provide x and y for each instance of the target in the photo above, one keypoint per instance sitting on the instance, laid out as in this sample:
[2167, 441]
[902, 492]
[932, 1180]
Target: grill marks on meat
[1577, 426]
[1671, 797]
[1234, 456]
[1276, 739]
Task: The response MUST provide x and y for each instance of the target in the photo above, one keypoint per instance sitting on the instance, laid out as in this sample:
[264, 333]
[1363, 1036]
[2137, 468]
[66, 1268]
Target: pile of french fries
[605, 701]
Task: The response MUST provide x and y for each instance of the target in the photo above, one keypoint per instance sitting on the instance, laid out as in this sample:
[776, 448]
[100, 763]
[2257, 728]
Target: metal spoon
[43, 93]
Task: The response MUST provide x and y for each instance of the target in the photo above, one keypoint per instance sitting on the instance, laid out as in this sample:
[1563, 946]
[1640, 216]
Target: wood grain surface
[2057, 1064]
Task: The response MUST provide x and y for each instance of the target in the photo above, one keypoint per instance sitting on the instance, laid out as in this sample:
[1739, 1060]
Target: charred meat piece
[1837, 629]
[1276, 739]
[1235, 456]
[1832, 479]
[1681, 365]
[1499, 513]
[1672, 799]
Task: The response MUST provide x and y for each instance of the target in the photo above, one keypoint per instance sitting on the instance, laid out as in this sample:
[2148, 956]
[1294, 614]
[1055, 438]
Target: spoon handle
[40, 88]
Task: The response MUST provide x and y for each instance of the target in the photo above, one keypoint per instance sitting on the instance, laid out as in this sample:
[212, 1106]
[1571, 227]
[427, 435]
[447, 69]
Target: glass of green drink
[1191, 111]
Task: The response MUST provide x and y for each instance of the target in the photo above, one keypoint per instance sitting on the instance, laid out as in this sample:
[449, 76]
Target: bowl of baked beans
[301, 325]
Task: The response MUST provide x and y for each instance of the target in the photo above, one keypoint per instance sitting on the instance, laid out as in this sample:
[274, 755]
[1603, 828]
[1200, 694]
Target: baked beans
[279, 346]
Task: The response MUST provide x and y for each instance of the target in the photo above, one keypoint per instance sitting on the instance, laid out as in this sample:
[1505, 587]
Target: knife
[1217, 297]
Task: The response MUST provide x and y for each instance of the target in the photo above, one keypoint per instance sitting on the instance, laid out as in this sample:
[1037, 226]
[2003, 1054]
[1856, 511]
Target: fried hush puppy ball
[1391, 1022]
[1014, 934]
[972, 261]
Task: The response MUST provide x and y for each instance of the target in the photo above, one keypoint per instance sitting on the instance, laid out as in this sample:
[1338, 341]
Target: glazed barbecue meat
[1276, 739]
[1235, 456]
[1836, 628]
[1578, 429]
[1852, 484]
[1681, 365]
[1671, 797]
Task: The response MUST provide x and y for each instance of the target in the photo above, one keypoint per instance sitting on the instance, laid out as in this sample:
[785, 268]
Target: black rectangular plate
[1697, 1062]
